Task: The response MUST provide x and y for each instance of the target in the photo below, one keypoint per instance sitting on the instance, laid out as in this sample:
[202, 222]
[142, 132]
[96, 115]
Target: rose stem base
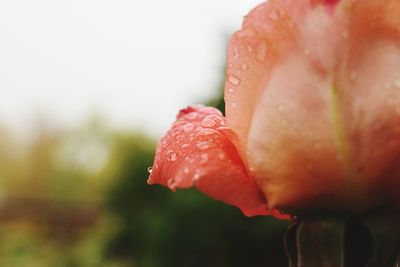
[372, 240]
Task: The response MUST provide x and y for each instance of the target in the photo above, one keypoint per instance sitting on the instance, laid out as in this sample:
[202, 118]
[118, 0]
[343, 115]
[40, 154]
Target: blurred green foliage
[80, 198]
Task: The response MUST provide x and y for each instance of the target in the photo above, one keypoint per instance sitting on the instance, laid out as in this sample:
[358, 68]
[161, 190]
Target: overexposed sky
[134, 62]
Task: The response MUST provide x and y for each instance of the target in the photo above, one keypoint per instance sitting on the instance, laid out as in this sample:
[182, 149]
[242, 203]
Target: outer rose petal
[198, 150]
[313, 93]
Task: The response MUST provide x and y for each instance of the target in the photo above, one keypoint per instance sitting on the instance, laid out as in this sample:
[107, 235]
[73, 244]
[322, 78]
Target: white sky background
[134, 62]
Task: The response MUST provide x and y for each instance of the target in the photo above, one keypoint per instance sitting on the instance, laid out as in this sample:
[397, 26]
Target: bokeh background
[86, 89]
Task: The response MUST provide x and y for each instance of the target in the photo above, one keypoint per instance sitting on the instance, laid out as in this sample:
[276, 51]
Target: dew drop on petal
[231, 90]
[171, 184]
[397, 83]
[235, 53]
[191, 116]
[149, 169]
[246, 33]
[204, 158]
[171, 155]
[273, 15]
[244, 66]
[164, 143]
[184, 146]
[233, 105]
[196, 176]
[261, 51]
[203, 145]
[188, 127]
[208, 123]
[186, 170]
[221, 155]
[206, 131]
[233, 79]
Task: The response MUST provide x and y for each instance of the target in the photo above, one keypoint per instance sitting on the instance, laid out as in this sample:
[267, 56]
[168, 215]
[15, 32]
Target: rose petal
[198, 151]
[317, 109]
[251, 55]
[370, 97]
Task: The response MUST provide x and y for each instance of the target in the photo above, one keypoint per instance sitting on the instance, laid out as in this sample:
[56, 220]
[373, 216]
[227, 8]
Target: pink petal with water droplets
[198, 151]
[316, 108]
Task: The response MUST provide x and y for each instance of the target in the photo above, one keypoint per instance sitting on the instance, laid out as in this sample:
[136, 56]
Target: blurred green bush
[80, 198]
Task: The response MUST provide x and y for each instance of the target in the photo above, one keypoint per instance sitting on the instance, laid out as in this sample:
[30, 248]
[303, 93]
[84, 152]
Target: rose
[312, 113]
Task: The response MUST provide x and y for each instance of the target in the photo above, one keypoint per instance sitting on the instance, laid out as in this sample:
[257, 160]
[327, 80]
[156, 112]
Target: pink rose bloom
[312, 113]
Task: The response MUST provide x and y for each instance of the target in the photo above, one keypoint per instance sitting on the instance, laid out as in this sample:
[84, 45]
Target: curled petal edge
[199, 151]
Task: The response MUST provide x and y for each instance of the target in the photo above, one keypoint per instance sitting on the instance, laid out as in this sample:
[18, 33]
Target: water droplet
[397, 83]
[171, 155]
[149, 169]
[203, 158]
[206, 131]
[261, 51]
[188, 127]
[245, 33]
[191, 116]
[196, 176]
[249, 49]
[164, 143]
[186, 170]
[203, 145]
[184, 146]
[235, 53]
[208, 123]
[231, 90]
[233, 79]
[233, 105]
[172, 184]
[273, 15]
[221, 155]
[244, 66]
[307, 52]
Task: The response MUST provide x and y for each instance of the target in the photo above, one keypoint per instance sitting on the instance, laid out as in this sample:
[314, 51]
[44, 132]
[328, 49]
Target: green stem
[368, 241]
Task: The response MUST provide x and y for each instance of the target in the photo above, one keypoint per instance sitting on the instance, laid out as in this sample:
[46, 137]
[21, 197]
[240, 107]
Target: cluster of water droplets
[188, 144]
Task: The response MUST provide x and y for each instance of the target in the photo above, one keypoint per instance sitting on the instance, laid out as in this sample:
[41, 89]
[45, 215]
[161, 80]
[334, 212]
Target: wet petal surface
[199, 151]
[317, 107]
